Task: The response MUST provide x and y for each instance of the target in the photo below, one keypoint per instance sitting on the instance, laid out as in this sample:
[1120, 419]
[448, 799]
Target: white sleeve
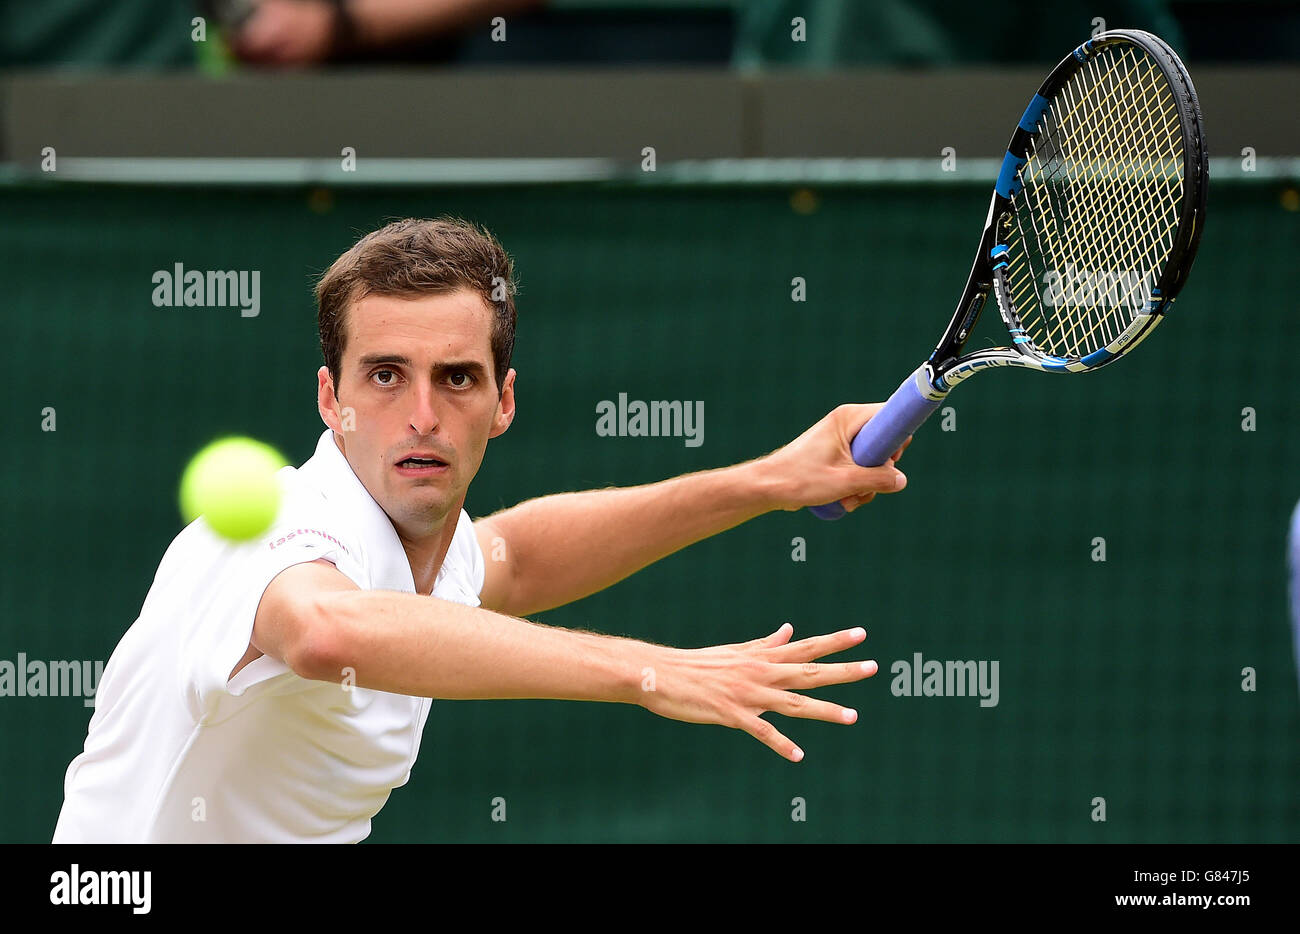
[230, 598]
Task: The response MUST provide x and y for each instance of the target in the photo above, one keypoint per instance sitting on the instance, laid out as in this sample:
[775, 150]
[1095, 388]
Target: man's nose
[424, 417]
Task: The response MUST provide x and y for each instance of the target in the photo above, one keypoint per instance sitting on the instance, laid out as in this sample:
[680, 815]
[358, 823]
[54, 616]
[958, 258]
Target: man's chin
[422, 506]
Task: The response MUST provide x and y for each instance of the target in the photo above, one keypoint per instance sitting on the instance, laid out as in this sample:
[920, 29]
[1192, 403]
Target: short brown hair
[419, 257]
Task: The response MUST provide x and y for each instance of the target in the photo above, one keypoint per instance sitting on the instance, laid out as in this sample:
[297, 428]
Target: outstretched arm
[316, 621]
[553, 550]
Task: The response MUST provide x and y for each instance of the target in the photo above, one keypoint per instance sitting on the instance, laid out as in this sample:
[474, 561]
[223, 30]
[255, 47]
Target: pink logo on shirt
[296, 532]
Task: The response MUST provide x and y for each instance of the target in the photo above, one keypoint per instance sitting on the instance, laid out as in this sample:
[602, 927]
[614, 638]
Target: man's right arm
[317, 622]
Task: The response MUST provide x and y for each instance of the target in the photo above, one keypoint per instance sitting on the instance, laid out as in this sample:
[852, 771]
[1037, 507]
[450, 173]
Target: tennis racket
[1095, 219]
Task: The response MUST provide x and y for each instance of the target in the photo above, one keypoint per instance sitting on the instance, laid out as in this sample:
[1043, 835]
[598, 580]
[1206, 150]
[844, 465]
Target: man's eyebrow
[377, 359]
[374, 359]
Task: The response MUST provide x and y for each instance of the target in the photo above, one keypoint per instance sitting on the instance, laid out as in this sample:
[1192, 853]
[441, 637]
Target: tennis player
[276, 691]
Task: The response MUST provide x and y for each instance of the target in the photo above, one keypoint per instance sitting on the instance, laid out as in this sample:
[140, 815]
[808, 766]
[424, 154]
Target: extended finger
[778, 638]
[790, 704]
[770, 737]
[781, 636]
[805, 650]
[819, 674]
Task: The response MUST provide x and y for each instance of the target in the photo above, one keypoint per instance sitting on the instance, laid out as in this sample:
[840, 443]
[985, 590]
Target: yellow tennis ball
[232, 484]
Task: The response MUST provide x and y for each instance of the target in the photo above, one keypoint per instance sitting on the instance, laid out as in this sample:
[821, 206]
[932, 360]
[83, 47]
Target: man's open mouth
[419, 462]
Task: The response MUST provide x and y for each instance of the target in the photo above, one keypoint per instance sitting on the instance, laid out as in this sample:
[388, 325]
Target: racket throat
[930, 379]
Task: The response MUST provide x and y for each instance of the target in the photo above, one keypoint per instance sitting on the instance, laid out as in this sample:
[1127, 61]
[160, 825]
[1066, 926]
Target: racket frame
[947, 366]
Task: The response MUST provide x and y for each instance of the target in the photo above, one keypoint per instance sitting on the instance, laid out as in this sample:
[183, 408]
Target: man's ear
[327, 402]
[505, 413]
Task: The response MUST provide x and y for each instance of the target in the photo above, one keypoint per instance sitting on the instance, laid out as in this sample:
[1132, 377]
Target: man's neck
[425, 550]
[426, 553]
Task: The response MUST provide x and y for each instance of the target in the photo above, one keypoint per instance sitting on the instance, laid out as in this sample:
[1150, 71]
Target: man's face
[417, 380]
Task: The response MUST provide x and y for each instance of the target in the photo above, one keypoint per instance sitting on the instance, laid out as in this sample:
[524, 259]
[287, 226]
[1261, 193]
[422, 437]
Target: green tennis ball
[231, 483]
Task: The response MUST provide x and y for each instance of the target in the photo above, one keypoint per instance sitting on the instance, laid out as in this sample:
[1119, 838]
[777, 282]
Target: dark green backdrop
[1119, 679]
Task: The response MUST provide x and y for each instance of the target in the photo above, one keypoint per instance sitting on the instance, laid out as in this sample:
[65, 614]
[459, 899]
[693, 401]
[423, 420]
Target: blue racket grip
[904, 412]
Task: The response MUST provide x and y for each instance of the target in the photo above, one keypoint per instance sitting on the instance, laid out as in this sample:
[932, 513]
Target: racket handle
[904, 412]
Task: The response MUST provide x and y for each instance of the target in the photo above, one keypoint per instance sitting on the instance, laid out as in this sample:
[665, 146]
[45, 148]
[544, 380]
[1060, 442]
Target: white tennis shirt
[176, 753]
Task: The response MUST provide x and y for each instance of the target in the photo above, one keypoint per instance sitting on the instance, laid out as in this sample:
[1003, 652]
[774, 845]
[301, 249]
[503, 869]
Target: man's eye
[461, 380]
[379, 375]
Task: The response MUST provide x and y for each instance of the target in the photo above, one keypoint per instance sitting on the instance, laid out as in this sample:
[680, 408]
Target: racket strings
[1140, 201]
[1083, 319]
[1072, 329]
[1098, 212]
[1073, 326]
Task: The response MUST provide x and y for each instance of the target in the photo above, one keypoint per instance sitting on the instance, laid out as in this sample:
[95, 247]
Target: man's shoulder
[311, 519]
[306, 520]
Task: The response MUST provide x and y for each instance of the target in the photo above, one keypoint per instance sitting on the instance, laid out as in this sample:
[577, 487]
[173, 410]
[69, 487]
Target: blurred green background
[1119, 679]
